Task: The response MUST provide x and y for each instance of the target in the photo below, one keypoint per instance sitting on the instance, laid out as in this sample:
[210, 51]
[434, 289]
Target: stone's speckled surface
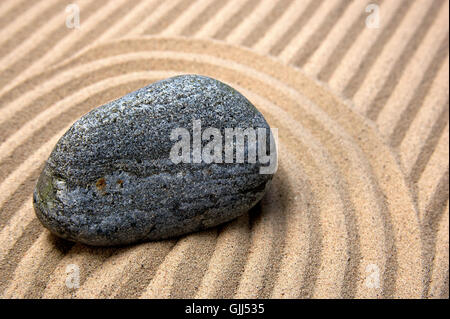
[110, 181]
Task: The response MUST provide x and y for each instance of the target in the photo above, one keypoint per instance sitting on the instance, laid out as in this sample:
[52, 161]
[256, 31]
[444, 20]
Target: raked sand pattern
[362, 189]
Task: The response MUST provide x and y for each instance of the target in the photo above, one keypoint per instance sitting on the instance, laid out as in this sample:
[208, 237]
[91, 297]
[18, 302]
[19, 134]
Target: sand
[359, 205]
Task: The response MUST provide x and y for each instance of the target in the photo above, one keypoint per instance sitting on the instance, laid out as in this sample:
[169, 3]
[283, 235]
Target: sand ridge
[352, 194]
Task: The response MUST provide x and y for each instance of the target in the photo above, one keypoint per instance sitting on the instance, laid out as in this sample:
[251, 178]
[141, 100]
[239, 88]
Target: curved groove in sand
[186, 255]
[88, 259]
[226, 264]
[36, 265]
[118, 270]
[15, 227]
[268, 232]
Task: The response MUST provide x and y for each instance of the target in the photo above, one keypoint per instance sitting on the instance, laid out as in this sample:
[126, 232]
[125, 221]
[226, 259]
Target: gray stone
[110, 179]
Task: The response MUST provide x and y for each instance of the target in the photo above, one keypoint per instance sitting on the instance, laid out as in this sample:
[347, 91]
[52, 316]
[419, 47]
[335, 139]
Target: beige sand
[359, 205]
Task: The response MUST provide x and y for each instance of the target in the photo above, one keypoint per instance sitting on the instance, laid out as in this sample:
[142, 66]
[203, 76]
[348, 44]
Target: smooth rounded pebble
[112, 179]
